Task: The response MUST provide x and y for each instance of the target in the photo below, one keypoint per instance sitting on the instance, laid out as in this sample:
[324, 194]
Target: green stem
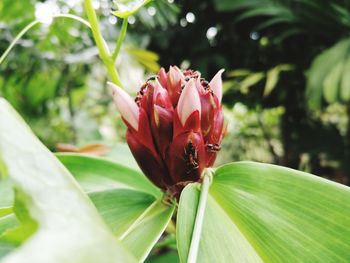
[196, 234]
[120, 38]
[34, 23]
[23, 31]
[104, 52]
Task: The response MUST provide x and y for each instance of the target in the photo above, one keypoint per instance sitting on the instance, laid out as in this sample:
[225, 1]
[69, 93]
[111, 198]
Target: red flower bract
[175, 126]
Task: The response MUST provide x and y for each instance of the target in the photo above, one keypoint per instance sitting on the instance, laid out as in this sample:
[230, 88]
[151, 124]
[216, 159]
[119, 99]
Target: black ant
[151, 78]
[191, 155]
[141, 93]
[215, 147]
[138, 98]
[206, 85]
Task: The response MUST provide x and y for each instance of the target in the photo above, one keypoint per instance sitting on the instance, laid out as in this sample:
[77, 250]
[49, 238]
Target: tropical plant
[75, 208]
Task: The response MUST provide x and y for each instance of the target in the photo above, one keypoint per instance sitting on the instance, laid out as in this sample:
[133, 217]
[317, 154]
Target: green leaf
[231, 5]
[251, 80]
[27, 225]
[147, 58]
[266, 213]
[98, 174]
[7, 194]
[321, 67]
[267, 10]
[7, 222]
[3, 170]
[239, 73]
[129, 7]
[331, 83]
[345, 81]
[130, 204]
[121, 154]
[170, 257]
[70, 228]
[272, 77]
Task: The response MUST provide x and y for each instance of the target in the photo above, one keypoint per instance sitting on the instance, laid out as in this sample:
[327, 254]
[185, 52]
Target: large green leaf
[130, 204]
[70, 228]
[97, 174]
[264, 213]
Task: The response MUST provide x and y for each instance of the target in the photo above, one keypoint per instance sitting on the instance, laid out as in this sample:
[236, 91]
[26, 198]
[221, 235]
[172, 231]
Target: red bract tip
[175, 127]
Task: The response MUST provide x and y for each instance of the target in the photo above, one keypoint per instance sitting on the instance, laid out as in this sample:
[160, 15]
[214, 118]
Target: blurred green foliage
[54, 77]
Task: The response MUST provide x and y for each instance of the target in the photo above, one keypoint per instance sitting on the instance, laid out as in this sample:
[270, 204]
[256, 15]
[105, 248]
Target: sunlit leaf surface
[70, 229]
[130, 204]
[265, 213]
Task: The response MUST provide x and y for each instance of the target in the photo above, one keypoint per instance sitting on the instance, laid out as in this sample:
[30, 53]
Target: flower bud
[175, 126]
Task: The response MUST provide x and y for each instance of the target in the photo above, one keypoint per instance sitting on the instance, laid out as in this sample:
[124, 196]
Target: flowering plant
[79, 209]
[175, 126]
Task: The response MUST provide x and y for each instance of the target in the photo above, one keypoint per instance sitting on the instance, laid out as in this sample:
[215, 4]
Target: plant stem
[34, 23]
[104, 52]
[23, 31]
[193, 252]
[120, 38]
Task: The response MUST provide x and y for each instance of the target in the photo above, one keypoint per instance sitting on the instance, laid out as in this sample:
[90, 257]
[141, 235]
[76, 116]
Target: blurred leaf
[267, 10]
[10, 9]
[345, 81]
[331, 83]
[3, 170]
[267, 213]
[27, 225]
[7, 193]
[129, 203]
[7, 222]
[128, 7]
[323, 77]
[4, 211]
[147, 58]
[272, 77]
[238, 73]
[70, 228]
[166, 14]
[251, 80]
[230, 5]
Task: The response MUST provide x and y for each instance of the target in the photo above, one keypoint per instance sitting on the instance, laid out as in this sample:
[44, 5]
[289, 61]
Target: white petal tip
[216, 84]
[189, 101]
[125, 105]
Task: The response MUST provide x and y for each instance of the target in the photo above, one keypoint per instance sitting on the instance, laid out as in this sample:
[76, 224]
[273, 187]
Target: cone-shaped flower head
[175, 126]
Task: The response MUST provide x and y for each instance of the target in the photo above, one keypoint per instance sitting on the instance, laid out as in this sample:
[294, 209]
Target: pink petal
[189, 101]
[161, 96]
[175, 75]
[216, 84]
[126, 106]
